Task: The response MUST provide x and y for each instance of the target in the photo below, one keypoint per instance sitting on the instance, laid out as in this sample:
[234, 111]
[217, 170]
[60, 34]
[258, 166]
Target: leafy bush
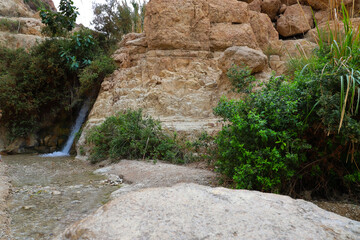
[241, 79]
[299, 134]
[260, 148]
[92, 76]
[130, 136]
[38, 85]
[59, 23]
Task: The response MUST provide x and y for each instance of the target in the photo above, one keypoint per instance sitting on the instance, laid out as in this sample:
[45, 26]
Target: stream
[49, 194]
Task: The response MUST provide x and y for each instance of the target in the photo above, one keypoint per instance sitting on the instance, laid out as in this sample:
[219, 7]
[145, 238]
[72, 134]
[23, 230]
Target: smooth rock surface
[141, 174]
[190, 211]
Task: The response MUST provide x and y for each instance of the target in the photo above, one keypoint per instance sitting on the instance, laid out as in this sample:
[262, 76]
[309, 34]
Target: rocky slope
[20, 24]
[176, 70]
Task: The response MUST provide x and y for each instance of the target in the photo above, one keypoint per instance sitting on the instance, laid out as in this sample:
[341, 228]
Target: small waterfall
[75, 128]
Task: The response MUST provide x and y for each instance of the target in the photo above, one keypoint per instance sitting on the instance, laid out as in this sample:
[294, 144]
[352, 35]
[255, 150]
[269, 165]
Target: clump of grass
[9, 25]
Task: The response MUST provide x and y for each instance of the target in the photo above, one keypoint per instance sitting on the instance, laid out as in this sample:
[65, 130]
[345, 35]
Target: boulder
[190, 211]
[255, 60]
[271, 8]
[297, 19]
[322, 16]
[255, 6]
[263, 29]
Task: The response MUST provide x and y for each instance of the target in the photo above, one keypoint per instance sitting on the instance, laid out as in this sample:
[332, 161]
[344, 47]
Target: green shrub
[241, 79]
[9, 25]
[59, 23]
[260, 148]
[299, 134]
[44, 83]
[130, 136]
[92, 76]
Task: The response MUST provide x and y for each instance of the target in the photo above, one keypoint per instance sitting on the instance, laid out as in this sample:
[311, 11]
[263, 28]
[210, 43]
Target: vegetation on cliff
[300, 133]
[51, 79]
[117, 19]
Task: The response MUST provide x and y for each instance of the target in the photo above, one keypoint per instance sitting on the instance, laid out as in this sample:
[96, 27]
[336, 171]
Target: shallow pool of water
[49, 194]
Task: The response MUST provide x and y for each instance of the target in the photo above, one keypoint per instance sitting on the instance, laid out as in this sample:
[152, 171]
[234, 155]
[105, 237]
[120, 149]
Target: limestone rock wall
[176, 70]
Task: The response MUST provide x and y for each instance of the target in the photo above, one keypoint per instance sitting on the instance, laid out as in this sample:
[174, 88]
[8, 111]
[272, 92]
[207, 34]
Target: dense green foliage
[117, 19]
[39, 84]
[59, 23]
[301, 133]
[261, 148]
[129, 135]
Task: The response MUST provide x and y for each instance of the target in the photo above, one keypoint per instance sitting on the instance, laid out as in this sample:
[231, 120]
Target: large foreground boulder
[190, 211]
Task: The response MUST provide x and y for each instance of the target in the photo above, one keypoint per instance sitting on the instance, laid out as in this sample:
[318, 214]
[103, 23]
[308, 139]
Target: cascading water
[75, 128]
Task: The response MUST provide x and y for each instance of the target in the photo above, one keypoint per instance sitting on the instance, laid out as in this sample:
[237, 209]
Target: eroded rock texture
[173, 70]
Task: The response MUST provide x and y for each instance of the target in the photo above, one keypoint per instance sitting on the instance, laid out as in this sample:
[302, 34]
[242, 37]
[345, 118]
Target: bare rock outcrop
[173, 71]
[190, 211]
[271, 8]
[297, 19]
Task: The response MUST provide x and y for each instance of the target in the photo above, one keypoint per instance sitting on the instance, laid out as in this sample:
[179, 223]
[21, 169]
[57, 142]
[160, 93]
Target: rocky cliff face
[20, 24]
[176, 70]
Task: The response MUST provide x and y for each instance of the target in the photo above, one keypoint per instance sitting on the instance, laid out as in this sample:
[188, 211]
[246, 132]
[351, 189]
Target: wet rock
[198, 212]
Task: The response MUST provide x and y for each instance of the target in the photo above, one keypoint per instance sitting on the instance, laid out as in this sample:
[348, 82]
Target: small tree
[117, 19]
[59, 23]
